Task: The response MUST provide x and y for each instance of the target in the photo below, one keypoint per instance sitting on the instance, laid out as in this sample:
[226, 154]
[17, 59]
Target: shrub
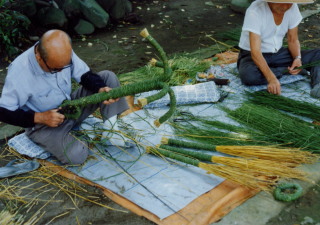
[13, 29]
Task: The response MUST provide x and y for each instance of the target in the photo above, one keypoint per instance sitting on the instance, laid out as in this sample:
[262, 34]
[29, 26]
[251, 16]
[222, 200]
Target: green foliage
[13, 26]
[297, 107]
[183, 68]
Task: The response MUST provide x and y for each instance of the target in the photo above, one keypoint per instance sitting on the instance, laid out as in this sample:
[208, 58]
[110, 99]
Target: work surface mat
[162, 190]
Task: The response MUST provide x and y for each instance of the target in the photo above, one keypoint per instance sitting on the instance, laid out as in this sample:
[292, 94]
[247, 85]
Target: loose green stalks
[183, 68]
[280, 102]
[72, 108]
[212, 132]
[278, 127]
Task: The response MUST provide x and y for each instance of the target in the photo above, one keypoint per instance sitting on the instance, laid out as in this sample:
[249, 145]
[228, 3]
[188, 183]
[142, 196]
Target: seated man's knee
[76, 155]
[110, 78]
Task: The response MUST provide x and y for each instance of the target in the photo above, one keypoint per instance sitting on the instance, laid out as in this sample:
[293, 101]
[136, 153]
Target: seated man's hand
[274, 87]
[50, 118]
[110, 101]
[295, 63]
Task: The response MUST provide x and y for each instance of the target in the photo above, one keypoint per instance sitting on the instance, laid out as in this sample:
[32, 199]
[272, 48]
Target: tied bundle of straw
[291, 156]
[280, 102]
[244, 177]
[259, 167]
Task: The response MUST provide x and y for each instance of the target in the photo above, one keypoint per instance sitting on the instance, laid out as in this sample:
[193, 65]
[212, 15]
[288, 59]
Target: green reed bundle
[243, 176]
[216, 132]
[278, 127]
[72, 108]
[280, 102]
[260, 167]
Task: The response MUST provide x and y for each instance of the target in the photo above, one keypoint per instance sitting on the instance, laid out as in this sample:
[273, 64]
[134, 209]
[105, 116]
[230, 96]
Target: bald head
[55, 48]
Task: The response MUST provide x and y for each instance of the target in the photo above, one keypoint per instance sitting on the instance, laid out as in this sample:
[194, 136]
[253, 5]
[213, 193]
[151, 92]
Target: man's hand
[110, 101]
[296, 63]
[50, 118]
[274, 87]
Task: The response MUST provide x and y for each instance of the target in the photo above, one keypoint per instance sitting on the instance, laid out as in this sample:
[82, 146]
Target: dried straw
[245, 177]
[258, 167]
[288, 155]
[275, 153]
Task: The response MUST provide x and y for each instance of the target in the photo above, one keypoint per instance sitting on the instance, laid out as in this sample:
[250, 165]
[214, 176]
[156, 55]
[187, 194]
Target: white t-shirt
[259, 20]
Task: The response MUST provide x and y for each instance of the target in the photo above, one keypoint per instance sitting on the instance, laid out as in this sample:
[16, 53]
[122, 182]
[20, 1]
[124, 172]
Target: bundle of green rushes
[280, 102]
[278, 127]
[72, 108]
[258, 125]
[183, 69]
[208, 131]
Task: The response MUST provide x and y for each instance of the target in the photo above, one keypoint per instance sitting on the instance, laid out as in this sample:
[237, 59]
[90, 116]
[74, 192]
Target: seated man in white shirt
[262, 58]
[39, 80]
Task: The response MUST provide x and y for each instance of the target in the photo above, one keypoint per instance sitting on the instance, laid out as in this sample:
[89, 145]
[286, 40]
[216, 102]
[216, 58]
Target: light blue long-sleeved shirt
[28, 87]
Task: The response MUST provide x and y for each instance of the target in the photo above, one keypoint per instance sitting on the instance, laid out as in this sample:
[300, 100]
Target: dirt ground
[180, 26]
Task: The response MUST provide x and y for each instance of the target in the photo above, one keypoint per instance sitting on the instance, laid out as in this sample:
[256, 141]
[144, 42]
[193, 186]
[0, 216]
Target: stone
[51, 17]
[117, 9]
[94, 13]
[71, 8]
[84, 27]
[106, 4]
[120, 9]
[28, 7]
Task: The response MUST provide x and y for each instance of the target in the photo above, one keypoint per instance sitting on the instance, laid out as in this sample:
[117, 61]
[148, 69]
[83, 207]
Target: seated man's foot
[315, 91]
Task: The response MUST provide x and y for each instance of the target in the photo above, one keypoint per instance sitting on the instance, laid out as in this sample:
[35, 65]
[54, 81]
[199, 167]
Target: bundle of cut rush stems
[278, 127]
[203, 130]
[280, 102]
